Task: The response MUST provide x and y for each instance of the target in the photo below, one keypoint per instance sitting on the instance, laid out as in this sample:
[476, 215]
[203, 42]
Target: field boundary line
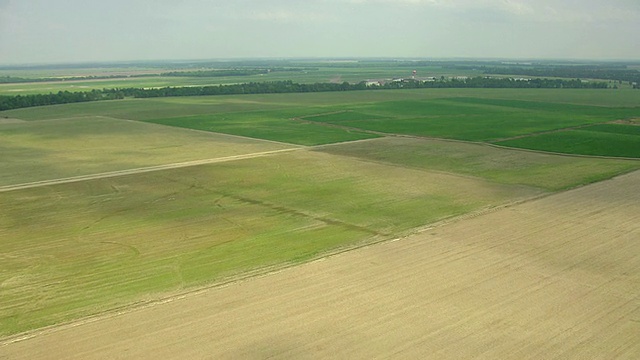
[118, 173]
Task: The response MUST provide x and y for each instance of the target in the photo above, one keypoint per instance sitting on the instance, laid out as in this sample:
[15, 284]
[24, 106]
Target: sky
[63, 31]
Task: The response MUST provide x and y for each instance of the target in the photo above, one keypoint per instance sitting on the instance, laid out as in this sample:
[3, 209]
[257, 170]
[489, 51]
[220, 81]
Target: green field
[599, 140]
[504, 122]
[270, 125]
[473, 119]
[78, 249]
[72, 250]
[144, 109]
[504, 166]
[334, 117]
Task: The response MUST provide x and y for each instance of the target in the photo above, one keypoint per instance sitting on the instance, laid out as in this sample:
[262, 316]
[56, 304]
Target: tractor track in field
[118, 173]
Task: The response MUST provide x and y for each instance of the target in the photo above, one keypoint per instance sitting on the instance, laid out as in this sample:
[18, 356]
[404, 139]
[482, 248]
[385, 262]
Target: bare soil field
[556, 277]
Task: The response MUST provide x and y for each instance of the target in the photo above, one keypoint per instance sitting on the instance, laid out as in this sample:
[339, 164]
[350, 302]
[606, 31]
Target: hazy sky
[43, 31]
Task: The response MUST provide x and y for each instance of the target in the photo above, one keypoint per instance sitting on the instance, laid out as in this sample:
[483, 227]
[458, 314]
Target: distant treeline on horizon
[275, 87]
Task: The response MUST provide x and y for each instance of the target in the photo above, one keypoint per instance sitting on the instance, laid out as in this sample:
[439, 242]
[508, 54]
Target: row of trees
[61, 97]
[64, 97]
[270, 87]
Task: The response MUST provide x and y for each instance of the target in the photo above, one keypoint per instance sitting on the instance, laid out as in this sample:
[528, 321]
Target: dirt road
[140, 170]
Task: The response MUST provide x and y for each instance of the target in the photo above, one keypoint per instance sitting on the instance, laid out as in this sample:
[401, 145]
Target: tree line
[275, 87]
[61, 97]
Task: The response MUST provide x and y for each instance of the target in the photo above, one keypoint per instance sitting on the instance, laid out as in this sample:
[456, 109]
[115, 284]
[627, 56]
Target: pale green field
[73, 250]
[501, 165]
[45, 150]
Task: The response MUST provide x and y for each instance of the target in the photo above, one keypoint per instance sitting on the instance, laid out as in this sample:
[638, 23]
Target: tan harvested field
[557, 277]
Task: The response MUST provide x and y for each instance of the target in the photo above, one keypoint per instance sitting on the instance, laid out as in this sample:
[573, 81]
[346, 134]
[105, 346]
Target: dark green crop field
[504, 122]
[600, 140]
[269, 125]
[486, 120]
[502, 116]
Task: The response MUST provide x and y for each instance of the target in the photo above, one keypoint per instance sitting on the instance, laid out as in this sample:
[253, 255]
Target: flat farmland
[113, 206]
[501, 165]
[72, 250]
[600, 140]
[476, 119]
[318, 73]
[551, 278]
[274, 125]
[44, 150]
[148, 109]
